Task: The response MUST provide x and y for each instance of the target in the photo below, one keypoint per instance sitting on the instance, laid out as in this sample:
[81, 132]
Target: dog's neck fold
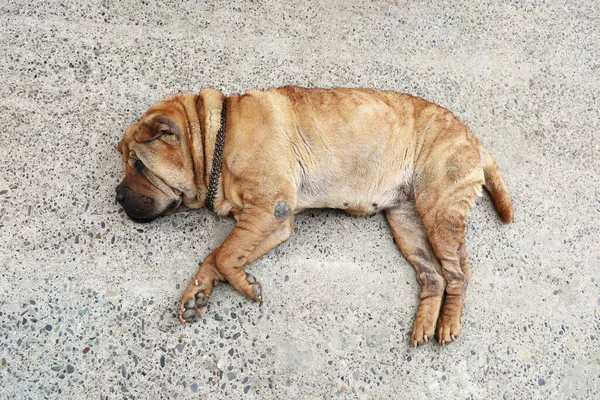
[209, 104]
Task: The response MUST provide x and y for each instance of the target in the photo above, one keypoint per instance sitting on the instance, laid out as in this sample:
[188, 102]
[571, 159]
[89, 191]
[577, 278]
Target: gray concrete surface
[88, 298]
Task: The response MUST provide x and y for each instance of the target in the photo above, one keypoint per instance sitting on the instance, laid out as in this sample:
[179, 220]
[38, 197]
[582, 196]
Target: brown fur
[290, 149]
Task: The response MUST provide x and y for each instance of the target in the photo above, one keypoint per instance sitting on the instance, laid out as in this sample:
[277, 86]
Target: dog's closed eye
[138, 165]
[164, 129]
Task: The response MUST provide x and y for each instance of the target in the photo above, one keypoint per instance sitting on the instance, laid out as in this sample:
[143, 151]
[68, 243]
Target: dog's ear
[162, 128]
[147, 131]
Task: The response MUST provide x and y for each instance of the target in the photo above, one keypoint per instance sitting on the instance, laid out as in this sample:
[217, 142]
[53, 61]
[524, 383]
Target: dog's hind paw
[425, 321]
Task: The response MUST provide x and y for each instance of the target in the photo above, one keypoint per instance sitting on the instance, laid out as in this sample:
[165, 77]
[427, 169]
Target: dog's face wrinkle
[152, 155]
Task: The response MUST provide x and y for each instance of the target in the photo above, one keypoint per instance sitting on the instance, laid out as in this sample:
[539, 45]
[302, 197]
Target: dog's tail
[495, 185]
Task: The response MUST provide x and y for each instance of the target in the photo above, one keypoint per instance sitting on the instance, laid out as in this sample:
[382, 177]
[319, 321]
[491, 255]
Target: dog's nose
[120, 197]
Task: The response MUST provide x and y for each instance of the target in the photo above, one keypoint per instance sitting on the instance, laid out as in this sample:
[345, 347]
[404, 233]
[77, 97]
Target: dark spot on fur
[345, 204]
[375, 205]
[420, 255]
[433, 282]
[281, 210]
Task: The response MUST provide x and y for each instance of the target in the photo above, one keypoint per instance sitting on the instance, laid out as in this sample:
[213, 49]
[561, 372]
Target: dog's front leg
[257, 231]
[280, 235]
[195, 298]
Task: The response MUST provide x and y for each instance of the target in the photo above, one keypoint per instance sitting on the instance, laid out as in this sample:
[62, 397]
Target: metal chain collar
[217, 162]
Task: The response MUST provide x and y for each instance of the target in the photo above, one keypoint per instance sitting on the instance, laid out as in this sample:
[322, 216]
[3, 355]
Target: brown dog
[267, 155]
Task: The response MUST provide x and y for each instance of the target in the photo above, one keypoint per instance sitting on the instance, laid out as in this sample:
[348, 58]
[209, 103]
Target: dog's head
[162, 156]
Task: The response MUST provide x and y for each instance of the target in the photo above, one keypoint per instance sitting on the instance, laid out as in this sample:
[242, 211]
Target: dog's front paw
[255, 291]
[194, 301]
[192, 309]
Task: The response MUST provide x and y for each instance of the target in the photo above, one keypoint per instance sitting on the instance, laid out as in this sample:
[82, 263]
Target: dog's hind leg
[411, 237]
[443, 199]
[446, 233]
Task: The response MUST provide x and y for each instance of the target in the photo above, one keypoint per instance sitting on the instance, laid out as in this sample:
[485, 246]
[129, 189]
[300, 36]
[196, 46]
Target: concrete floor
[88, 298]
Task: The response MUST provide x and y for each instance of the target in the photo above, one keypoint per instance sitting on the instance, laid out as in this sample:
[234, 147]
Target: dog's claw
[250, 279]
[258, 291]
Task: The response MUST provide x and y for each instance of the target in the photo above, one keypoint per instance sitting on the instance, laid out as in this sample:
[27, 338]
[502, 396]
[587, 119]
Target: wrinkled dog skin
[290, 149]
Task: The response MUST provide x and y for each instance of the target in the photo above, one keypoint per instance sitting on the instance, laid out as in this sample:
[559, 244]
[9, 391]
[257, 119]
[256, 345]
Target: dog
[266, 155]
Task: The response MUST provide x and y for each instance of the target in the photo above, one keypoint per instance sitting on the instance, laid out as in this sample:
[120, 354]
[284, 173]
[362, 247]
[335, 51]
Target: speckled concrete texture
[88, 297]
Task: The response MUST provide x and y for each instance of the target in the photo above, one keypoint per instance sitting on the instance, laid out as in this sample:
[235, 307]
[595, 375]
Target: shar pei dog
[266, 155]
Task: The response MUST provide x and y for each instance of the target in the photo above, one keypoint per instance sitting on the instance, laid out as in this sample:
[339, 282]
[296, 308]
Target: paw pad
[194, 307]
[189, 304]
[201, 300]
[190, 315]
